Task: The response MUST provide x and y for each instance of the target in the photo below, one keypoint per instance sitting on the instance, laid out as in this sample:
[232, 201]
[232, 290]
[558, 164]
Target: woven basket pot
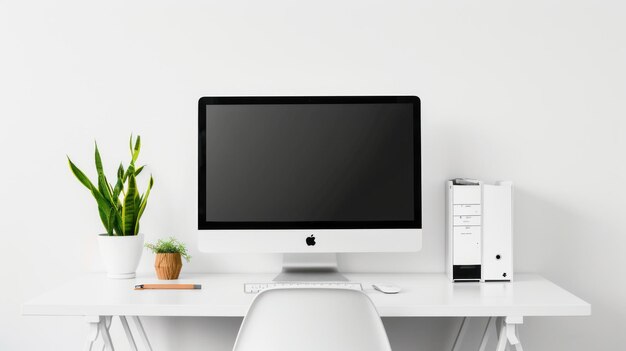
[168, 265]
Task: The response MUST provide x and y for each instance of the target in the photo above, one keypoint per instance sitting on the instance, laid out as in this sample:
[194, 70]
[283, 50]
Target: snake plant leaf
[125, 176]
[104, 217]
[111, 220]
[130, 143]
[130, 210]
[80, 175]
[137, 206]
[117, 224]
[137, 148]
[120, 171]
[104, 210]
[98, 159]
[82, 178]
[103, 184]
[144, 202]
[134, 151]
[119, 184]
[139, 170]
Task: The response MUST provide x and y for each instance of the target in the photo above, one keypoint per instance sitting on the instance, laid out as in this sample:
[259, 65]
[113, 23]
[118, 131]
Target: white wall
[525, 90]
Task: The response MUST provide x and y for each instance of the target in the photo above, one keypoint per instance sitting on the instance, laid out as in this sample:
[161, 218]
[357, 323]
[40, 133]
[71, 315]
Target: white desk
[97, 299]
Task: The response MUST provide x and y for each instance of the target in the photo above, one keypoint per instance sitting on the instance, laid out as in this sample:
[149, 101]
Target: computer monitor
[309, 174]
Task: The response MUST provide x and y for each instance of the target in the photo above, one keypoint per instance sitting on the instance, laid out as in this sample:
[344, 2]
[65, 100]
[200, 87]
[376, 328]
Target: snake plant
[120, 207]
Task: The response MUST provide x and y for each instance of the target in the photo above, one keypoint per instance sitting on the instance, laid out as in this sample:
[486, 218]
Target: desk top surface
[422, 295]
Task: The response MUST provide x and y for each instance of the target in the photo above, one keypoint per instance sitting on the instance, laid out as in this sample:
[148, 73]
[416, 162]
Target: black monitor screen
[307, 165]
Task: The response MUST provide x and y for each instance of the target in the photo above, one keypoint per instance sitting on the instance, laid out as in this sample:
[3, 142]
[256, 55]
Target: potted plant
[120, 207]
[168, 261]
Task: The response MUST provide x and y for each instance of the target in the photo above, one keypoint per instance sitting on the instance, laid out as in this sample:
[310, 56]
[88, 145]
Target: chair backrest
[312, 319]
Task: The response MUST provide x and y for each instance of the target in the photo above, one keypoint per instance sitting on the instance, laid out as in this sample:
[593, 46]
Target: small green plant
[171, 245]
[120, 208]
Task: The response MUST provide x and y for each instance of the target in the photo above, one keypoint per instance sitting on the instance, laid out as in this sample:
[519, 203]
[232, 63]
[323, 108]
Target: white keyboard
[253, 288]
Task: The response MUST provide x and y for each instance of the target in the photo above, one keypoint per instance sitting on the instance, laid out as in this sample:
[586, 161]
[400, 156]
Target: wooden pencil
[168, 286]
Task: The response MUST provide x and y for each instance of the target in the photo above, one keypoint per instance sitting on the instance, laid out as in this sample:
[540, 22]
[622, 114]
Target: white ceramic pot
[121, 254]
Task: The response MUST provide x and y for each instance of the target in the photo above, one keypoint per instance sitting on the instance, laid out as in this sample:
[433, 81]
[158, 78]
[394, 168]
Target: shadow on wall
[544, 237]
[550, 240]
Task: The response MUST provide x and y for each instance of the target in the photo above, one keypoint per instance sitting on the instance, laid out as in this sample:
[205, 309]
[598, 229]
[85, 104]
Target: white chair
[312, 320]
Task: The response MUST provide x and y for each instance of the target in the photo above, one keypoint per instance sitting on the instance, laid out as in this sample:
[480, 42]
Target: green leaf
[171, 245]
[98, 159]
[135, 151]
[130, 210]
[119, 184]
[137, 206]
[144, 202]
[104, 217]
[139, 170]
[103, 184]
[103, 204]
[117, 225]
[111, 220]
[104, 209]
[80, 175]
[125, 177]
[120, 171]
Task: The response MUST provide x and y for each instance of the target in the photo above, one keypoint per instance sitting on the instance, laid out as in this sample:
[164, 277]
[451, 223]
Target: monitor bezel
[203, 224]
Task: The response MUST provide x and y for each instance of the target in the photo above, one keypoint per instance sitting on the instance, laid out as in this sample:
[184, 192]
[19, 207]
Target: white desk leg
[93, 329]
[107, 324]
[459, 336]
[104, 330]
[142, 332]
[501, 330]
[485, 338]
[129, 335]
[511, 331]
[507, 333]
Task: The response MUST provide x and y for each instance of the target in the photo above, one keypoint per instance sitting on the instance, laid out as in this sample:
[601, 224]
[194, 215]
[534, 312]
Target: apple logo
[310, 240]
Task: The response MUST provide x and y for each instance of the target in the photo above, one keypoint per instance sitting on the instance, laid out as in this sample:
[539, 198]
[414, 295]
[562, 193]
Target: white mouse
[387, 288]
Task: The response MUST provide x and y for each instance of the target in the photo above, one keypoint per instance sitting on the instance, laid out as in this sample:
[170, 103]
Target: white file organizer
[479, 231]
[463, 229]
[497, 260]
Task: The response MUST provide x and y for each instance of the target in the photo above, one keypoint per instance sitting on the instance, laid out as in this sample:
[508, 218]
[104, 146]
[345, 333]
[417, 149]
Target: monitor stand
[318, 267]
